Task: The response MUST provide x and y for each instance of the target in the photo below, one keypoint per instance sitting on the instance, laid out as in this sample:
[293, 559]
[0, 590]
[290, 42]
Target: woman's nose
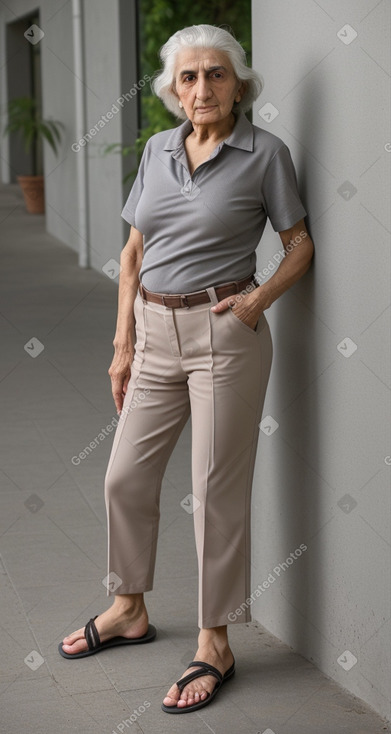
[203, 88]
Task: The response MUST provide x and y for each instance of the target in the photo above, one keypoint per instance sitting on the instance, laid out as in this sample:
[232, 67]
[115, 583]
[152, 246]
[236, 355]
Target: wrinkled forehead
[200, 59]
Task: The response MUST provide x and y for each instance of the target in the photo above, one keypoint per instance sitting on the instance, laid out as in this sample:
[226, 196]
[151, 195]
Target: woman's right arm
[130, 261]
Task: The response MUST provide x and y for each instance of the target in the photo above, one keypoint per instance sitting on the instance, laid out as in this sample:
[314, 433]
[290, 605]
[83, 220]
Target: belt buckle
[183, 301]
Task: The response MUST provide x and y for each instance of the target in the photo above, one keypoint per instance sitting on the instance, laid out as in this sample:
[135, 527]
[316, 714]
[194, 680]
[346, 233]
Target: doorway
[23, 56]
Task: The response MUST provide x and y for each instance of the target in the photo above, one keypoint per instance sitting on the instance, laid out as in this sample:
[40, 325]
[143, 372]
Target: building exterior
[88, 63]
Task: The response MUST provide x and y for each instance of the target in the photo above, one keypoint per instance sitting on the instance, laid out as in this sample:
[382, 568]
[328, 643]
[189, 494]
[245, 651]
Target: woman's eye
[189, 78]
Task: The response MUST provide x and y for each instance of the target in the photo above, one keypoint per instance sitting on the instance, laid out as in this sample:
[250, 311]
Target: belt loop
[212, 295]
[141, 291]
[184, 301]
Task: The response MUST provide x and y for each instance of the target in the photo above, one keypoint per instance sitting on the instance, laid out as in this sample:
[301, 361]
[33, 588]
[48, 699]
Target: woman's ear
[241, 92]
[175, 93]
[180, 104]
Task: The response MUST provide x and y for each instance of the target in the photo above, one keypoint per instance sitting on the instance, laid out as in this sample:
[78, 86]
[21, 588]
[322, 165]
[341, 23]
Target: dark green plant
[24, 118]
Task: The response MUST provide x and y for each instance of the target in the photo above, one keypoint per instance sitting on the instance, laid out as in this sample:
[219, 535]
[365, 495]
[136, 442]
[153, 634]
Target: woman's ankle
[130, 604]
[217, 636]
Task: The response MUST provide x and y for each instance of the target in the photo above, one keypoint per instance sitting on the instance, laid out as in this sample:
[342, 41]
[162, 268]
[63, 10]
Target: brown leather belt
[196, 299]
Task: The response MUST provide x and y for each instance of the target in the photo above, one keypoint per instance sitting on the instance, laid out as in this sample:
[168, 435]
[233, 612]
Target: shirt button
[190, 190]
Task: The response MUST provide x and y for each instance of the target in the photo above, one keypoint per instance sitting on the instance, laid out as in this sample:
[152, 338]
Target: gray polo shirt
[202, 230]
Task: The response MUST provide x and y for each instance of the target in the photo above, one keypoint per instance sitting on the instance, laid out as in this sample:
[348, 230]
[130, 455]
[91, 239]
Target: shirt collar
[242, 136]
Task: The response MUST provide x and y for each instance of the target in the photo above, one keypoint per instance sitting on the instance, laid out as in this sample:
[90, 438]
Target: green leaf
[24, 117]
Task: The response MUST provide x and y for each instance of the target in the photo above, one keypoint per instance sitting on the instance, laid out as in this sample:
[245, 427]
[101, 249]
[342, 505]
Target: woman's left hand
[246, 307]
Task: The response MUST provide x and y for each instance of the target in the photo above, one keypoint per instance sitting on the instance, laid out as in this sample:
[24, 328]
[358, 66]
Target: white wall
[332, 443]
[110, 70]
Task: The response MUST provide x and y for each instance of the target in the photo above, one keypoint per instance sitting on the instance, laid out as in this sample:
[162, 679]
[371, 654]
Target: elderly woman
[187, 288]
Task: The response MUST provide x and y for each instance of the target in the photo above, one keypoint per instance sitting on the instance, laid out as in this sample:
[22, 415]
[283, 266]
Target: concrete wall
[322, 475]
[110, 69]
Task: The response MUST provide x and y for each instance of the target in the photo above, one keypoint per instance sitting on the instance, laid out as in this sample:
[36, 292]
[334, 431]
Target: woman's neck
[214, 132]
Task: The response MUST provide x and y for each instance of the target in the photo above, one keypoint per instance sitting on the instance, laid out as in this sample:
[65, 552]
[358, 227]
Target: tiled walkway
[57, 325]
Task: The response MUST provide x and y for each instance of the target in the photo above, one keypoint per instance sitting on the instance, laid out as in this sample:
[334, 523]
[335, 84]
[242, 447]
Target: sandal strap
[92, 634]
[204, 669]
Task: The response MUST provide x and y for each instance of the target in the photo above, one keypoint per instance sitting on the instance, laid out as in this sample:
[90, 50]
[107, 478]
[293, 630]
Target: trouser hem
[224, 619]
[130, 589]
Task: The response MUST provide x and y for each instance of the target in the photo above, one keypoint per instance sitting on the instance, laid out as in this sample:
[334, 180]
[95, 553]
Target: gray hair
[204, 36]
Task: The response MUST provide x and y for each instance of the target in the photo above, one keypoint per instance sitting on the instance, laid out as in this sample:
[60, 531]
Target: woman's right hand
[119, 372]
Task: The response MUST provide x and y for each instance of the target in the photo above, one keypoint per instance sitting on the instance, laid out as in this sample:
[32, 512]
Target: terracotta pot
[33, 192]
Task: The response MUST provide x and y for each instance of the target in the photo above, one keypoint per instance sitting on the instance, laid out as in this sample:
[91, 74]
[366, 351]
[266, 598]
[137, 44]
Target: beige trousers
[216, 368]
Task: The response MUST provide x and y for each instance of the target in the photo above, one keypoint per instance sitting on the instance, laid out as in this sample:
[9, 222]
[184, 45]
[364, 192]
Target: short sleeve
[129, 211]
[280, 194]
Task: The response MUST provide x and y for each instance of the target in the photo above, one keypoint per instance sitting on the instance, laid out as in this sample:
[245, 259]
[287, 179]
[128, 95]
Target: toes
[188, 697]
[74, 636]
[201, 695]
[169, 701]
[172, 696]
[78, 646]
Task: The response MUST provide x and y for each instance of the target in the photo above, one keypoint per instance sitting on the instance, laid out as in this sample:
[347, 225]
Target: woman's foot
[127, 617]
[213, 648]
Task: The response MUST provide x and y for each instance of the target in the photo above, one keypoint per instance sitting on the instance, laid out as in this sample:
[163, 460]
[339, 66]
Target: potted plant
[24, 117]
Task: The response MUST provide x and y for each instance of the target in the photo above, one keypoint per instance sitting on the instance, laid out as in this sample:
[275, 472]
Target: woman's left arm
[299, 250]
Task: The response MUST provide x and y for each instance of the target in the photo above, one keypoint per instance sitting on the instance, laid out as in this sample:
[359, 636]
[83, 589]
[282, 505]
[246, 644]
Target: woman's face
[206, 84]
